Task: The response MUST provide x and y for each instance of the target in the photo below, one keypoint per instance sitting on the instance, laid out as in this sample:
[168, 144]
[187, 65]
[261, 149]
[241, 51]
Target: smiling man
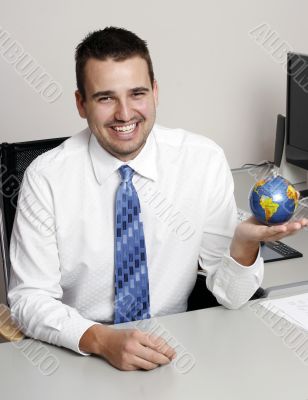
[121, 116]
[135, 209]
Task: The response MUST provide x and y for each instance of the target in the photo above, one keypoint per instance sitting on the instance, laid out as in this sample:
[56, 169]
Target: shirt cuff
[235, 283]
[72, 332]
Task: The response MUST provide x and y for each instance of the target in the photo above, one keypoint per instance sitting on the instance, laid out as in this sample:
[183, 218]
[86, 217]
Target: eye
[105, 99]
[138, 94]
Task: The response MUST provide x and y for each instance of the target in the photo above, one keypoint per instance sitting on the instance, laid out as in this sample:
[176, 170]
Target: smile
[125, 128]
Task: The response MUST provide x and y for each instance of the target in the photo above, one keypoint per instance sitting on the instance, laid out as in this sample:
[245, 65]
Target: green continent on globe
[269, 206]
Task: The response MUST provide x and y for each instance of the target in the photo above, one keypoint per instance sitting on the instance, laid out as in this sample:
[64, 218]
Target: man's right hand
[127, 349]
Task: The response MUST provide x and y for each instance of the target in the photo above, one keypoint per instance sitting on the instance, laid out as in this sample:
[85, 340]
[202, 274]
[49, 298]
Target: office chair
[14, 159]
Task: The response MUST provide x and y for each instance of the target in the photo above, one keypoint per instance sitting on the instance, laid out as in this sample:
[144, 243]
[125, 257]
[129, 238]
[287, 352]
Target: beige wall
[214, 78]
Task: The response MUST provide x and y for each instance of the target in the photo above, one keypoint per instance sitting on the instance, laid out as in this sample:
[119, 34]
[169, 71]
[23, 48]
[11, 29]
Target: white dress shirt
[62, 245]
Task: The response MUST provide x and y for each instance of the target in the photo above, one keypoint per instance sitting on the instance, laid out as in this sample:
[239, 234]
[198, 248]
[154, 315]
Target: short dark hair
[118, 44]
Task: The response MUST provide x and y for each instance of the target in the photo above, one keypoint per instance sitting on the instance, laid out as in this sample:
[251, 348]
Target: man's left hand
[248, 234]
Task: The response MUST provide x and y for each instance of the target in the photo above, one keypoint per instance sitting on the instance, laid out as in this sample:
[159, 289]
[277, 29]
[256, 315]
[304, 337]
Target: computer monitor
[296, 149]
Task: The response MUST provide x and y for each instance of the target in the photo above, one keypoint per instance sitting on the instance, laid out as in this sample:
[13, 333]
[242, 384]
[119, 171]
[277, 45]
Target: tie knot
[126, 173]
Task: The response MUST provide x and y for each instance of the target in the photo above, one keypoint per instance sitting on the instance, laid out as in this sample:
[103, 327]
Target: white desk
[237, 357]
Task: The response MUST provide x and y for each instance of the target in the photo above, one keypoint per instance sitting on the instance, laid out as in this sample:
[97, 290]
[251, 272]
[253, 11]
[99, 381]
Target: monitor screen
[297, 110]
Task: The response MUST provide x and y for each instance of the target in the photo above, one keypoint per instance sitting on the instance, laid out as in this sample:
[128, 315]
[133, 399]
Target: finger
[287, 228]
[274, 230]
[162, 346]
[289, 232]
[303, 222]
[151, 355]
[293, 227]
[141, 363]
[166, 349]
[159, 344]
[297, 223]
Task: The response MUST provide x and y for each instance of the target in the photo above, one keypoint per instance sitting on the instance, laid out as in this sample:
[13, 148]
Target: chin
[127, 152]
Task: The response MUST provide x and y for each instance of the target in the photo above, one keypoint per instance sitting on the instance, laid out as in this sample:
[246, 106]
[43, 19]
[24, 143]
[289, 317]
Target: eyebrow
[140, 89]
[107, 93]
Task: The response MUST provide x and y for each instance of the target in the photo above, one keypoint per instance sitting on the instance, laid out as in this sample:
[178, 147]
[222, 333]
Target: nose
[123, 111]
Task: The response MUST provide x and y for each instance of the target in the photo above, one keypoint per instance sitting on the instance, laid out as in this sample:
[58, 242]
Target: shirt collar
[104, 164]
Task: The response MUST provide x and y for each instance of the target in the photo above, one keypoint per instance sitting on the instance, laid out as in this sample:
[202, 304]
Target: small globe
[273, 200]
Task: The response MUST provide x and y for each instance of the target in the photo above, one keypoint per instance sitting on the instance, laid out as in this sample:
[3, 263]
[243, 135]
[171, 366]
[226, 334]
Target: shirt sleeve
[35, 291]
[231, 283]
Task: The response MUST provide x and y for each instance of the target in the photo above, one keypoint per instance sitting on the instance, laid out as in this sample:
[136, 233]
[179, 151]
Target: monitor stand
[303, 188]
[292, 173]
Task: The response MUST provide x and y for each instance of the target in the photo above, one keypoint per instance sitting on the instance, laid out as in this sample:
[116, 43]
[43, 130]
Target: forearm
[244, 252]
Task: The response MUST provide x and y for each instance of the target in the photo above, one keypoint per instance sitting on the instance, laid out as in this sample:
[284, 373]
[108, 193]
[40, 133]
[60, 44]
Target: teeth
[127, 128]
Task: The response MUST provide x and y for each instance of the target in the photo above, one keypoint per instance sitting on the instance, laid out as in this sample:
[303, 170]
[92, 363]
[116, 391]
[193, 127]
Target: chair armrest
[9, 330]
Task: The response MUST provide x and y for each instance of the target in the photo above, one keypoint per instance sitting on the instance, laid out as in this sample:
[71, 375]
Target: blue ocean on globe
[273, 200]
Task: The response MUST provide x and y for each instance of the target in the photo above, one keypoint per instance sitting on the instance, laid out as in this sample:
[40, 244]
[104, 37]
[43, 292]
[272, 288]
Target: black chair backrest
[14, 160]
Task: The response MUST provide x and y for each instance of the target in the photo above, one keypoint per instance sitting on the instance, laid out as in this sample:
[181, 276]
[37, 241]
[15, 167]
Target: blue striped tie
[132, 300]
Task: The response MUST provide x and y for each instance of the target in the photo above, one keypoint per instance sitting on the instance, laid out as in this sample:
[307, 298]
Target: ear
[80, 103]
[155, 92]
